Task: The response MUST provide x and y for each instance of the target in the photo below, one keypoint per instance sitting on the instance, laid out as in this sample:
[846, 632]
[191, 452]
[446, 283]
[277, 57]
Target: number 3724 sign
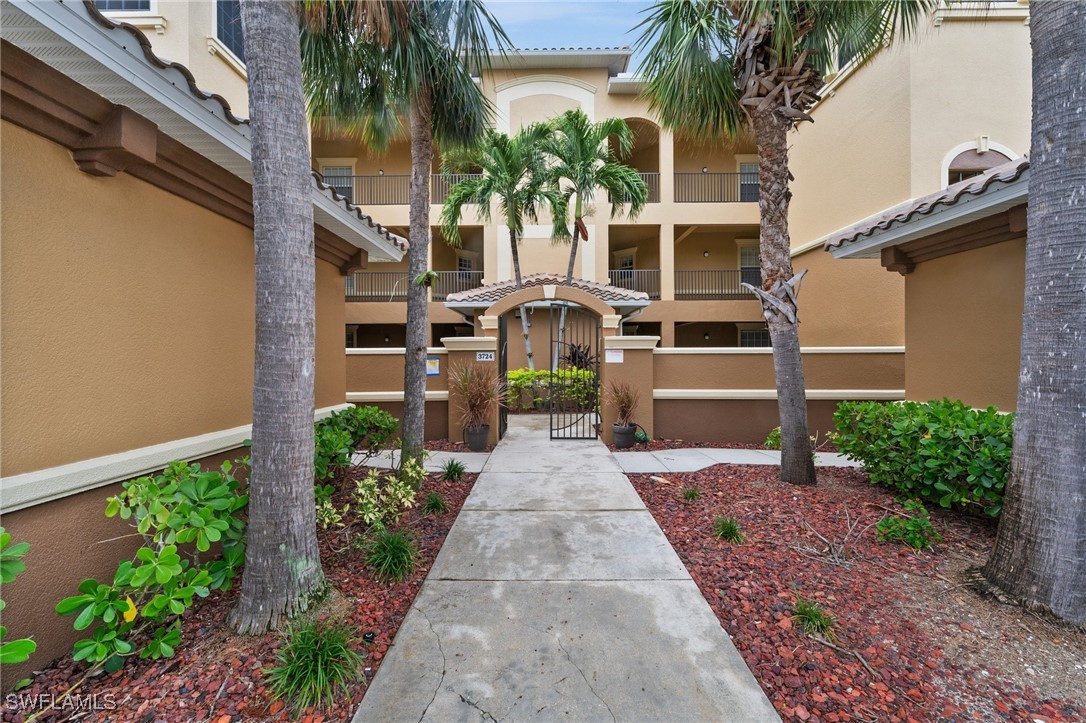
[484, 356]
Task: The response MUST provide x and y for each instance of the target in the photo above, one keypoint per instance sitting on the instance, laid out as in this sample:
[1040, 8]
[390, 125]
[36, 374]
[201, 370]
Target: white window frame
[741, 326]
[622, 254]
[218, 48]
[472, 256]
[142, 19]
[744, 243]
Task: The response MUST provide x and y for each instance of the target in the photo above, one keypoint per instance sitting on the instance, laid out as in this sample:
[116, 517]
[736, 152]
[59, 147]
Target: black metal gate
[573, 393]
[503, 372]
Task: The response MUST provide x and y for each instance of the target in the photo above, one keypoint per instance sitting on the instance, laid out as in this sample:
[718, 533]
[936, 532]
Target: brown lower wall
[71, 539]
[437, 417]
[747, 421]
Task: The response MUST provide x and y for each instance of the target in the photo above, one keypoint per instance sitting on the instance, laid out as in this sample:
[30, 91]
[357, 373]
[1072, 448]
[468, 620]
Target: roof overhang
[615, 60]
[626, 84]
[471, 307]
[113, 64]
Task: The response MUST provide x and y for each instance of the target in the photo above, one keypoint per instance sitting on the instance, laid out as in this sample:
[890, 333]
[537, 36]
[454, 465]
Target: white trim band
[33, 488]
[769, 350]
[436, 395]
[863, 394]
[389, 350]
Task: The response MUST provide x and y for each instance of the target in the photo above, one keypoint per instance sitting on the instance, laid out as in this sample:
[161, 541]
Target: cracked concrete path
[557, 597]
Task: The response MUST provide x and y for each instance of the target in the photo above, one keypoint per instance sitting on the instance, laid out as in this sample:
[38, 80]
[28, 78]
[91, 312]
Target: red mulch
[217, 676]
[444, 445]
[752, 588]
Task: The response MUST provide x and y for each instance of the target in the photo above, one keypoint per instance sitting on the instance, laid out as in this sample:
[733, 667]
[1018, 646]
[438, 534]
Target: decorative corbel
[357, 262]
[122, 140]
[894, 259]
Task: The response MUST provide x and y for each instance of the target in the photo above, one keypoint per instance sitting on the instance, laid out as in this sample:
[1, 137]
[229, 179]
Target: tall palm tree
[367, 64]
[583, 161]
[512, 175]
[1039, 556]
[282, 561]
[718, 68]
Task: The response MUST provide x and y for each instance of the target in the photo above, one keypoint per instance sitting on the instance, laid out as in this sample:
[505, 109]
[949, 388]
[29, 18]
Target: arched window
[972, 163]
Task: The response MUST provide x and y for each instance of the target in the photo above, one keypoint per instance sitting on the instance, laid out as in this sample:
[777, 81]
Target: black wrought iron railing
[451, 282]
[647, 280]
[391, 190]
[716, 187]
[711, 284]
[377, 286]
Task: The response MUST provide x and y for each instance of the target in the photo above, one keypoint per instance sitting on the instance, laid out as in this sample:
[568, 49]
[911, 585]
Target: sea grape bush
[180, 514]
[11, 564]
[914, 528]
[940, 451]
[338, 436]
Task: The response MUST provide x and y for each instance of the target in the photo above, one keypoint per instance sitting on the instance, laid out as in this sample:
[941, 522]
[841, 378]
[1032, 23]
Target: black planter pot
[624, 436]
[477, 437]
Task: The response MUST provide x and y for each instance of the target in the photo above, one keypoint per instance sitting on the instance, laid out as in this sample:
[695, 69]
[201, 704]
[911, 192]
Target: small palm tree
[718, 68]
[583, 161]
[513, 175]
[367, 65]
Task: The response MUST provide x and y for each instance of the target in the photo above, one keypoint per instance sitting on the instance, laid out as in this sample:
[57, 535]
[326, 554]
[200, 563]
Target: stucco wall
[963, 326]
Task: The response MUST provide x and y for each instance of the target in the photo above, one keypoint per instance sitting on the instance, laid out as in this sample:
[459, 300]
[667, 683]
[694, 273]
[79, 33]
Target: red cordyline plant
[479, 390]
[624, 397]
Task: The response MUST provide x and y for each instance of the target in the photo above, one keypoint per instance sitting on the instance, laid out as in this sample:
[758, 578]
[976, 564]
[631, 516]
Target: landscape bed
[219, 677]
[914, 641]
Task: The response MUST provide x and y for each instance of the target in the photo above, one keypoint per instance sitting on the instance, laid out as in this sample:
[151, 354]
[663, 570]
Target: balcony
[652, 182]
[393, 285]
[716, 187]
[647, 280]
[391, 190]
[713, 284]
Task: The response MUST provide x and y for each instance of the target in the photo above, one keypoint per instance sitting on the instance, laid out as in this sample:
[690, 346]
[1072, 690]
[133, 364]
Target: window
[340, 178]
[754, 337]
[123, 6]
[464, 263]
[971, 163]
[748, 181]
[750, 267]
[228, 26]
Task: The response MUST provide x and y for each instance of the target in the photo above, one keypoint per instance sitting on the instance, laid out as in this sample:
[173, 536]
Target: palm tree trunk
[771, 136]
[414, 383]
[525, 327]
[573, 250]
[1039, 556]
[282, 560]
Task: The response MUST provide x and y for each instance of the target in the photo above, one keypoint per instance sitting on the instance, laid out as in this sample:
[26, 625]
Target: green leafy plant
[11, 565]
[332, 451]
[371, 428]
[412, 474]
[434, 504]
[316, 663]
[691, 494]
[138, 611]
[453, 470]
[914, 528]
[529, 389]
[380, 501]
[393, 555]
[728, 529]
[773, 441]
[328, 515]
[941, 451]
[624, 397]
[813, 619]
[641, 437]
[426, 278]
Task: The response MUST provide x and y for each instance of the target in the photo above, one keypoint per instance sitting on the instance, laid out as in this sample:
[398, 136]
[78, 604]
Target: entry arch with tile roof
[502, 297]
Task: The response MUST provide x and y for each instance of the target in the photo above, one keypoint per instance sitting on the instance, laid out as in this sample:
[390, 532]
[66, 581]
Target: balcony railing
[451, 282]
[716, 187]
[652, 182]
[647, 280]
[391, 190]
[377, 286]
[710, 284]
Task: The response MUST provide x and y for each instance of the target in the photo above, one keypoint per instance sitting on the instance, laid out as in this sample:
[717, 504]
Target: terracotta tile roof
[190, 80]
[996, 177]
[486, 295]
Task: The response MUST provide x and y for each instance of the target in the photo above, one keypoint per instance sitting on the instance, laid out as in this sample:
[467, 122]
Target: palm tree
[282, 561]
[513, 174]
[718, 68]
[367, 64]
[1039, 556]
[582, 161]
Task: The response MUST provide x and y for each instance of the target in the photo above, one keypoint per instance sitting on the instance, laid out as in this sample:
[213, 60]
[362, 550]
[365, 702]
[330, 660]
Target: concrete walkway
[557, 597]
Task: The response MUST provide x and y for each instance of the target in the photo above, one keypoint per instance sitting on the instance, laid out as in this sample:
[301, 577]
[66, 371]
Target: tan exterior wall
[329, 388]
[747, 421]
[537, 108]
[963, 325]
[885, 371]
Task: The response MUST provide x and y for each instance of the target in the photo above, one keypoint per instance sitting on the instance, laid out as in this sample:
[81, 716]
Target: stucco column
[667, 262]
[601, 247]
[490, 253]
[667, 333]
[462, 351]
[627, 359]
[667, 167]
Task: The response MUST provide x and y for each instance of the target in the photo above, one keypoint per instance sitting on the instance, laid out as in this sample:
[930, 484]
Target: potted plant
[623, 397]
[478, 390]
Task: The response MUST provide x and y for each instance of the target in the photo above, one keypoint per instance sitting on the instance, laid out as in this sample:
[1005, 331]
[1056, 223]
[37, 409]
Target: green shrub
[316, 663]
[527, 388]
[914, 529]
[941, 452]
[11, 564]
[728, 529]
[434, 504]
[773, 441]
[690, 494]
[364, 429]
[333, 450]
[379, 501]
[453, 470]
[149, 594]
[393, 555]
[813, 619]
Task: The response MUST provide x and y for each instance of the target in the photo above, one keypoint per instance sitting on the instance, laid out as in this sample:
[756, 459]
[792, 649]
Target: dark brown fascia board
[105, 139]
[998, 228]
